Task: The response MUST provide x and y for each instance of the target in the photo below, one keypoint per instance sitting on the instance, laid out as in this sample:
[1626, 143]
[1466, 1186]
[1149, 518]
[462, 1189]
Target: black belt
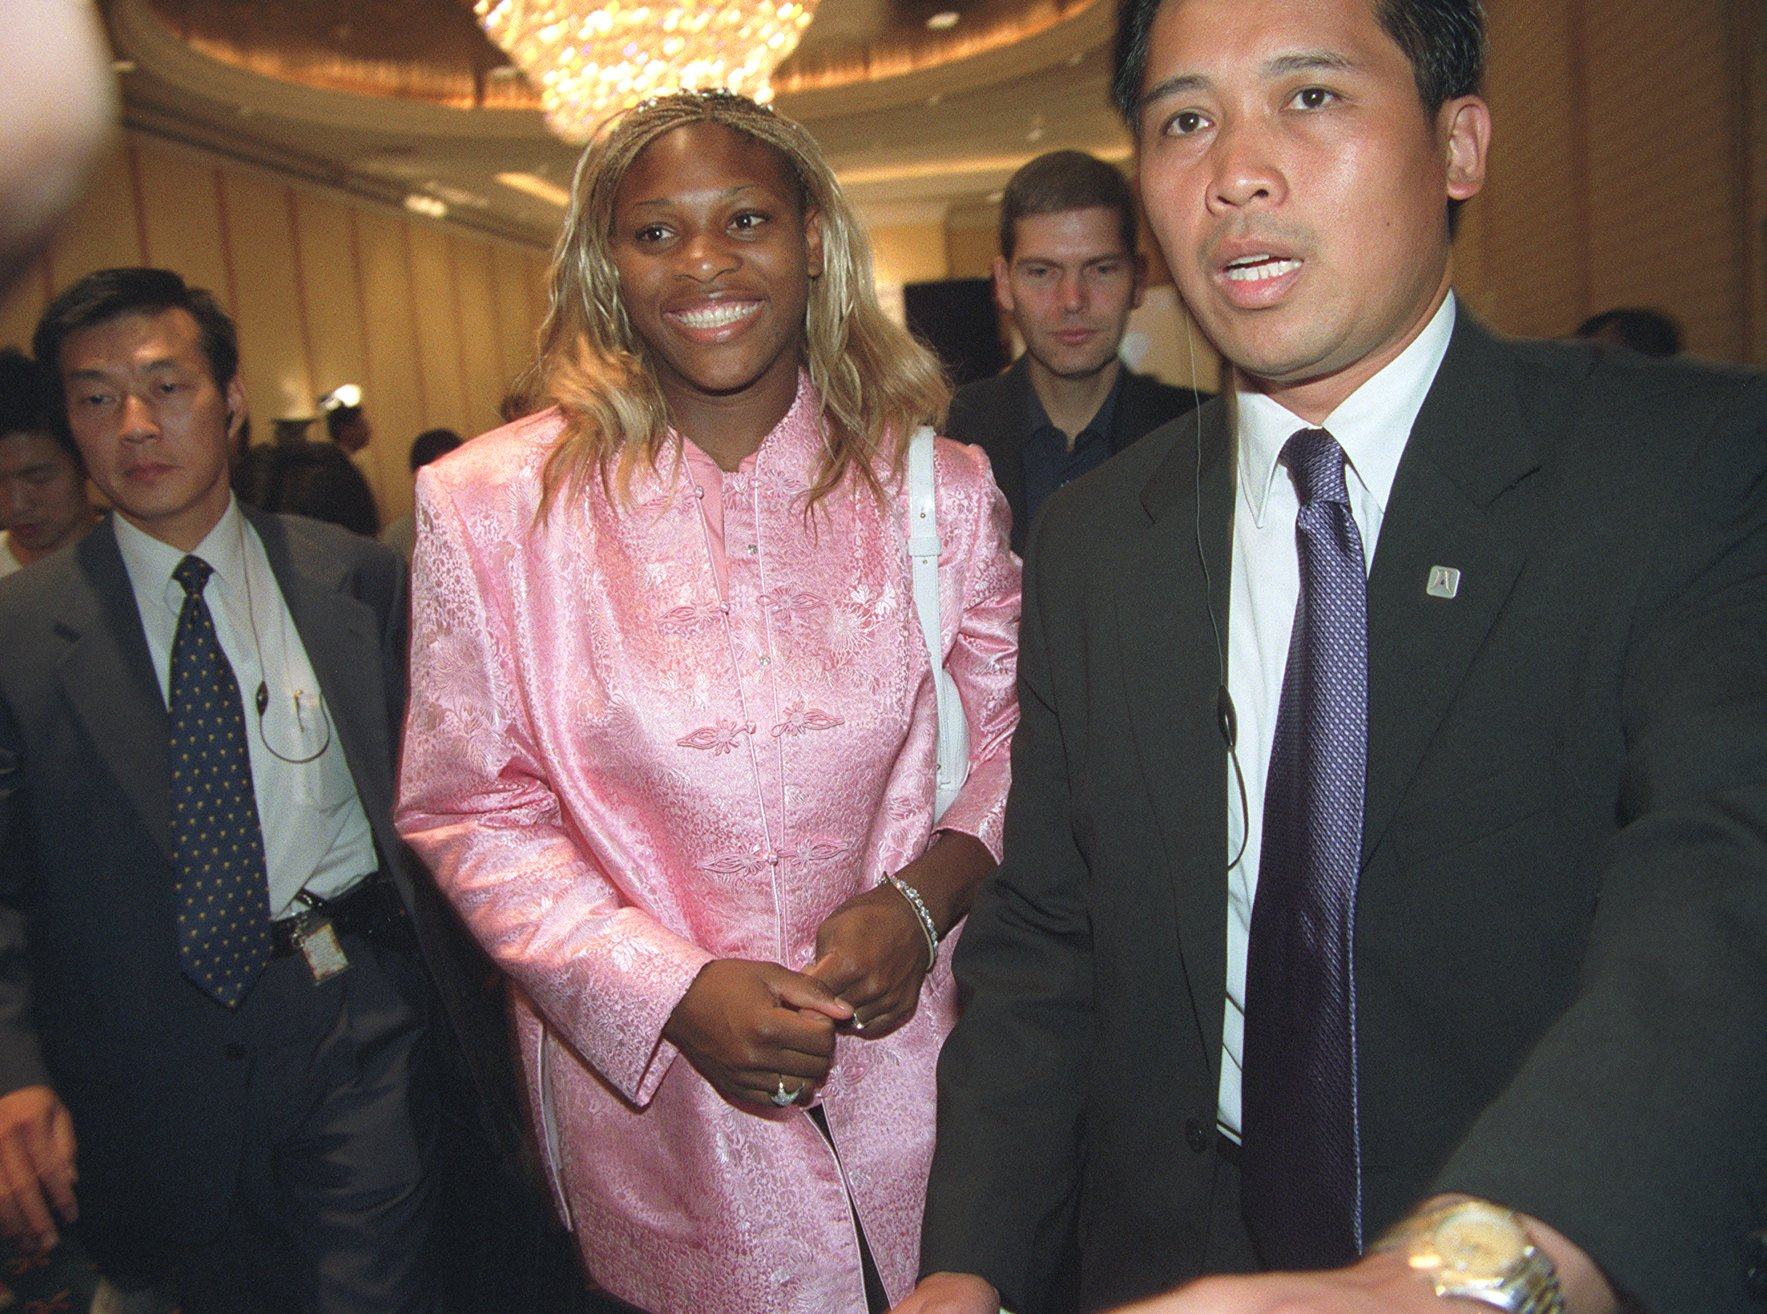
[370, 908]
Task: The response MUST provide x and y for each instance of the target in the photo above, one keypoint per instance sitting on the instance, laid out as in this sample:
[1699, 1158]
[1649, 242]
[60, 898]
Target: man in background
[43, 502]
[1648, 332]
[295, 476]
[1068, 275]
[430, 445]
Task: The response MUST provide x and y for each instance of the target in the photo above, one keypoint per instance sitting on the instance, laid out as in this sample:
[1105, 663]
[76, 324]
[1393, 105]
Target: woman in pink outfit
[673, 724]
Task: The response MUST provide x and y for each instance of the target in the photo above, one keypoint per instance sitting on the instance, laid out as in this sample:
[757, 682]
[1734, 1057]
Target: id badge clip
[316, 938]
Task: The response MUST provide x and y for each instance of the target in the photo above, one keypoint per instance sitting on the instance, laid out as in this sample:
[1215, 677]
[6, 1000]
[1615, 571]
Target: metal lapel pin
[1444, 582]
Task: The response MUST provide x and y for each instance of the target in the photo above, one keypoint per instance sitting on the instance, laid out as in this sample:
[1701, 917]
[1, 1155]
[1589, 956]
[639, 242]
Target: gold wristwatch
[1472, 1250]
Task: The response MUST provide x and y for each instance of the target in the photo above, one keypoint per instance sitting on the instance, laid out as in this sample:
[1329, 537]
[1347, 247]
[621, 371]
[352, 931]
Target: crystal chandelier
[589, 59]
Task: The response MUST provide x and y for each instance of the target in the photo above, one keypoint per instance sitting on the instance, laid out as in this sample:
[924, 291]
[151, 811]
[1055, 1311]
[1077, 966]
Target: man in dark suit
[213, 1010]
[1384, 899]
[1068, 274]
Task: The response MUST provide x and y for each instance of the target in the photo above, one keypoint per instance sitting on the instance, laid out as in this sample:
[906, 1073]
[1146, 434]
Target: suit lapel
[1459, 500]
[1171, 670]
[1007, 451]
[108, 677]
[1130, 420]
[342, 641]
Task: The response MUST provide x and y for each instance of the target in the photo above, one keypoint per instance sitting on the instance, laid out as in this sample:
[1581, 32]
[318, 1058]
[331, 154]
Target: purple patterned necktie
[1302, 1186]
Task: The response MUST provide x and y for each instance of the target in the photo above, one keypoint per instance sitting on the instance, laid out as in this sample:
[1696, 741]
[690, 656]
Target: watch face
[1479, 1242]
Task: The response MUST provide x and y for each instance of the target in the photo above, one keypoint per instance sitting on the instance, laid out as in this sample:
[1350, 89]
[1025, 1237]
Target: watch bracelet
[1547, 1297]
[1532, 1287]
[1535, 1281]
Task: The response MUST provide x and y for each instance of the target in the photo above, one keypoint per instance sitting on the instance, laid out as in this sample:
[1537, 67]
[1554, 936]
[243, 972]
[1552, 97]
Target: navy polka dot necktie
[217, 844]
[1302, 1154]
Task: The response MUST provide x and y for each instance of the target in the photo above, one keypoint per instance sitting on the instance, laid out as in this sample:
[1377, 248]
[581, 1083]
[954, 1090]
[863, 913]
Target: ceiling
[392, 98]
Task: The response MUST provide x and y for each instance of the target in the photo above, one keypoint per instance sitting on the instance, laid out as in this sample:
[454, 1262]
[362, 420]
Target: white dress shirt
[1372, 425]
[316, 835]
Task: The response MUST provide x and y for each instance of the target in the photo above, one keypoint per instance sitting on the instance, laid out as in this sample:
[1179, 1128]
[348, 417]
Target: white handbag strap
[923, 553]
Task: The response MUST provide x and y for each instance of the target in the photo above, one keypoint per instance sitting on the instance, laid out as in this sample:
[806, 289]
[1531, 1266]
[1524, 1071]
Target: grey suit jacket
[91, 996]
[1562, 909]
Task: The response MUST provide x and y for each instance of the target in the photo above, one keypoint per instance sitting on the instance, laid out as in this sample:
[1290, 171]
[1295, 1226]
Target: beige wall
[972, 239]
[1626, 169]
[432, 321]
[908, 253]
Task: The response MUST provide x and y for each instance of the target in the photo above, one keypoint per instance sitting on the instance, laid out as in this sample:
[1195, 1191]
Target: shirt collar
[1099, 424]
[1107, 409]
[1372, 424]
[150, 562]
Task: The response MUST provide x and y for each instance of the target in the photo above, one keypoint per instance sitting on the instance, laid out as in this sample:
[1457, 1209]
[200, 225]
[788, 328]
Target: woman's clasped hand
[754, 1029]
[872, 953]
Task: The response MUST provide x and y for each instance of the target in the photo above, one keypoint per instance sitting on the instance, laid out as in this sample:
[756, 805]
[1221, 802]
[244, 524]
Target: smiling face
[1298, 187]
[715, 253]
[151, 422]
[42, 495]
[1069, 287]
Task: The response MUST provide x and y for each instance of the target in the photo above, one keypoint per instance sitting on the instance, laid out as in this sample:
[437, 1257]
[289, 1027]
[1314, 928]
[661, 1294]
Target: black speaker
[956, 318]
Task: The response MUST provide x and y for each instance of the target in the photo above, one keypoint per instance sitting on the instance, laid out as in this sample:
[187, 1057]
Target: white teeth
[1259, 268]
[717, 316]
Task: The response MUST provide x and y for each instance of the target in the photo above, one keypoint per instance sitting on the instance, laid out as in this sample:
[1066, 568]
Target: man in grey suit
[213, 1009]
[1384, 899]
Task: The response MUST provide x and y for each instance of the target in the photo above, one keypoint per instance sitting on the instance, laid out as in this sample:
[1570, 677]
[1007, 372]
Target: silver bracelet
[927, 925]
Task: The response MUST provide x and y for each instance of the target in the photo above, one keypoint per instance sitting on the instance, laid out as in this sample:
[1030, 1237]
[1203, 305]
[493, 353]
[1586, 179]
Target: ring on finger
[781, 1096]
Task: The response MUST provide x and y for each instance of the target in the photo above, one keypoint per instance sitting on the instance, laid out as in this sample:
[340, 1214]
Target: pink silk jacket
[619, 768]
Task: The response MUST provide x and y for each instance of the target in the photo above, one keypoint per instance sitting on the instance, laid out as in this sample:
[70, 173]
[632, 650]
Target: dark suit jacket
[995, 415]
[1562, 910]
[92, 1000]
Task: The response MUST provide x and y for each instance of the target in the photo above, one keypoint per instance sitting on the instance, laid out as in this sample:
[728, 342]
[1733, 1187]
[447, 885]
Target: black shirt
[1049, 463]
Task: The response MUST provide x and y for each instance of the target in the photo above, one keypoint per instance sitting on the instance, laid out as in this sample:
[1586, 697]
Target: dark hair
[338, 416]
[101, 297]
[1650, 332]
[431, 445]
[28, 404]
[1443, 39]
[1061, 181]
